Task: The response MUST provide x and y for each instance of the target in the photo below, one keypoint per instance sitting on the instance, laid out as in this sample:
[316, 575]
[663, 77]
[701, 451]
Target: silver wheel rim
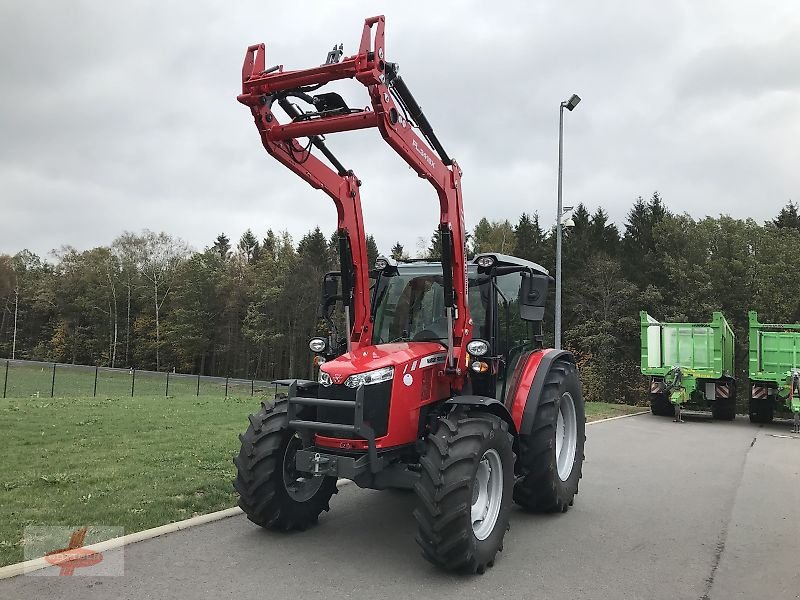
[487, 494]
[300, 486]
[566, 436]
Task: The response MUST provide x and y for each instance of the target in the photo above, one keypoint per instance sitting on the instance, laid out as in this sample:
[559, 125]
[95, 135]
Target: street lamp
[570, 106]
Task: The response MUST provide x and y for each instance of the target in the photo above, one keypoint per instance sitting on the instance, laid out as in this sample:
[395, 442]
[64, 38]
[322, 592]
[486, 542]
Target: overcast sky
[123, 115]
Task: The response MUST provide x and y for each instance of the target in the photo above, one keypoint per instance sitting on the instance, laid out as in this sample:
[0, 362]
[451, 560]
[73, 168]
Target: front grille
[376, 406]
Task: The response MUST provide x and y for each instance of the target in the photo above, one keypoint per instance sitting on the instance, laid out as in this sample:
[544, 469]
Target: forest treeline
[247, 309]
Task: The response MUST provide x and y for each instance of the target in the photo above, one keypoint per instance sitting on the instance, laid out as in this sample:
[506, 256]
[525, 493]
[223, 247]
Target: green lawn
[36, 380]
[134, 463]
[603, 410]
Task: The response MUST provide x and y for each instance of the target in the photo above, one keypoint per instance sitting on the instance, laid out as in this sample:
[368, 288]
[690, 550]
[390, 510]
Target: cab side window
[513, 333]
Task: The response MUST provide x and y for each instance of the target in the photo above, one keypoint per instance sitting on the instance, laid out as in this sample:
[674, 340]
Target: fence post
[133, 380]
[166, 392]
[53, 382]
[5, 381]
[198, 385]
[94, 394]
[226, 387]
[252, 387]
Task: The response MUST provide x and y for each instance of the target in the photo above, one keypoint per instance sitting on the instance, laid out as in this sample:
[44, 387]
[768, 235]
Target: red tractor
[439, 381]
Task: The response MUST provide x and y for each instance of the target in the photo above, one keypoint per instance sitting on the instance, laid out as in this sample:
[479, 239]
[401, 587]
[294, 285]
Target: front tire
[464, 491]
[551, 456]
[272, 493]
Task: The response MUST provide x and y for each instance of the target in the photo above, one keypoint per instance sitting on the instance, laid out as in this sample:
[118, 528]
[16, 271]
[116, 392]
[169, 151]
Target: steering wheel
[427, 335]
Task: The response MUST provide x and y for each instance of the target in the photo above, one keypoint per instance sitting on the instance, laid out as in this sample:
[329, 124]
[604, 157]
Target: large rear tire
[551, 456]
[464, 491]
[660, 405]
[271, 492]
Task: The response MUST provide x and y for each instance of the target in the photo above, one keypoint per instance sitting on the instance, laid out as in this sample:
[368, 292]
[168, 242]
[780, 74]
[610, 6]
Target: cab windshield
[409, 306]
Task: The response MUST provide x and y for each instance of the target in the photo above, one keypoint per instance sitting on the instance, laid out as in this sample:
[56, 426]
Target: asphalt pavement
[699, 510]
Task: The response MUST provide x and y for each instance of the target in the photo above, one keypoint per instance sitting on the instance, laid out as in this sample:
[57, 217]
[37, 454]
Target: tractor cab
[506, 298]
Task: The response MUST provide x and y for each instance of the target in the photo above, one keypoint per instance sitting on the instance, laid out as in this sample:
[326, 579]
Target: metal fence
[27, 378]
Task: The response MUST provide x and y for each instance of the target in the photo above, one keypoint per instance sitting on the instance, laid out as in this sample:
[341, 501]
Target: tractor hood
[370, 358]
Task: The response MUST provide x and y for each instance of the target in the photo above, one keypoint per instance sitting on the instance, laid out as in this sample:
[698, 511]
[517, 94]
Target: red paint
[523, 389]
[368, 68]
[74, 556]
[406, 400]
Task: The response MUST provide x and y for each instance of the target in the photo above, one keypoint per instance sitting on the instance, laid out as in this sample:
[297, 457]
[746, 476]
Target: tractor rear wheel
[761, 411]
[660, 405]
[272, 493]
[464, 491]
[551, 456]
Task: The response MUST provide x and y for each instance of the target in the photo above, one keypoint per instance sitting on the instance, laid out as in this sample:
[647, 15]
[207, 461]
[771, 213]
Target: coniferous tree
[397, 252]
[529, 238]
[249, 246]
[222, 246]
[788, 217]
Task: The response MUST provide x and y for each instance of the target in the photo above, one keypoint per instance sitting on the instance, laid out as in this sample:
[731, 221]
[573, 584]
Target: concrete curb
[636, 414]
[39, 563]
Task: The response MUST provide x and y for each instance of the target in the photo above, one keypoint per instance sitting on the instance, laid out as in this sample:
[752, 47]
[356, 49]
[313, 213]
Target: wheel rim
[487, 494]
[566, 436]
[300, 486]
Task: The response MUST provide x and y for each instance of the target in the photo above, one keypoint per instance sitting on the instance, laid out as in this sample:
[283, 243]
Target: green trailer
[690, 365]
[774, 370]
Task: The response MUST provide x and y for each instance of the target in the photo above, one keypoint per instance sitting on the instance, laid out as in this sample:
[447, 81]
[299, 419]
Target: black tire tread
[660, 405]
[540, 489]
[444, 490]
[761, 411]
[259, 477]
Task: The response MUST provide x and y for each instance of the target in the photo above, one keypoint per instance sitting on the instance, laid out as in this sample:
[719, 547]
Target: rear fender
[530, 384]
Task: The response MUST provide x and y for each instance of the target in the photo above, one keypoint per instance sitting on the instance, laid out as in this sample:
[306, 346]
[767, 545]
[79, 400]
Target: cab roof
[423, 266]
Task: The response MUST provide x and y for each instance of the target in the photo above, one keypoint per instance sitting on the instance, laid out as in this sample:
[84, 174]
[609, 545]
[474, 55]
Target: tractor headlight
[324, 379]
[370, 377]
[485, 261]
[478, 347]
[317, 344]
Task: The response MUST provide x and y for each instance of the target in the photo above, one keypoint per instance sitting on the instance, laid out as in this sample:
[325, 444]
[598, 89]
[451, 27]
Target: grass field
[128, 462]
[36, 380]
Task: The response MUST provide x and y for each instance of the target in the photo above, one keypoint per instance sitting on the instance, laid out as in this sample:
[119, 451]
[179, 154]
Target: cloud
[124, 116]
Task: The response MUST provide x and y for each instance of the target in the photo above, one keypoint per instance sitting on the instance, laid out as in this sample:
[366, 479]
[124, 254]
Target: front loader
[440, 382]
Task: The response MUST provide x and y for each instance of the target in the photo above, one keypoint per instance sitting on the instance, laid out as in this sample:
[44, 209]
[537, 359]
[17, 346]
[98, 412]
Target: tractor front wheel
[551, 456]
[272, 493]
[464, 491]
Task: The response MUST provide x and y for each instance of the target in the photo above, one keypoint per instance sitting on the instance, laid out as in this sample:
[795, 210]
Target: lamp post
[570, 106]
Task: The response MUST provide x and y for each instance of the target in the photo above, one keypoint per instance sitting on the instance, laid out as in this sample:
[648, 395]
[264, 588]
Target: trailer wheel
[464, 491]
[761, 411]
[724, 409]
[272, 493]
[551, 456]
[660, 405]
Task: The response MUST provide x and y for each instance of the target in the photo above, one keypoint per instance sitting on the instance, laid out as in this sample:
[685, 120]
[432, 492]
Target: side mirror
[533, 296]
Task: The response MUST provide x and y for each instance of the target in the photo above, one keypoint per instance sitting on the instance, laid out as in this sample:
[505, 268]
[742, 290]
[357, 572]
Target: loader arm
[396, 114]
